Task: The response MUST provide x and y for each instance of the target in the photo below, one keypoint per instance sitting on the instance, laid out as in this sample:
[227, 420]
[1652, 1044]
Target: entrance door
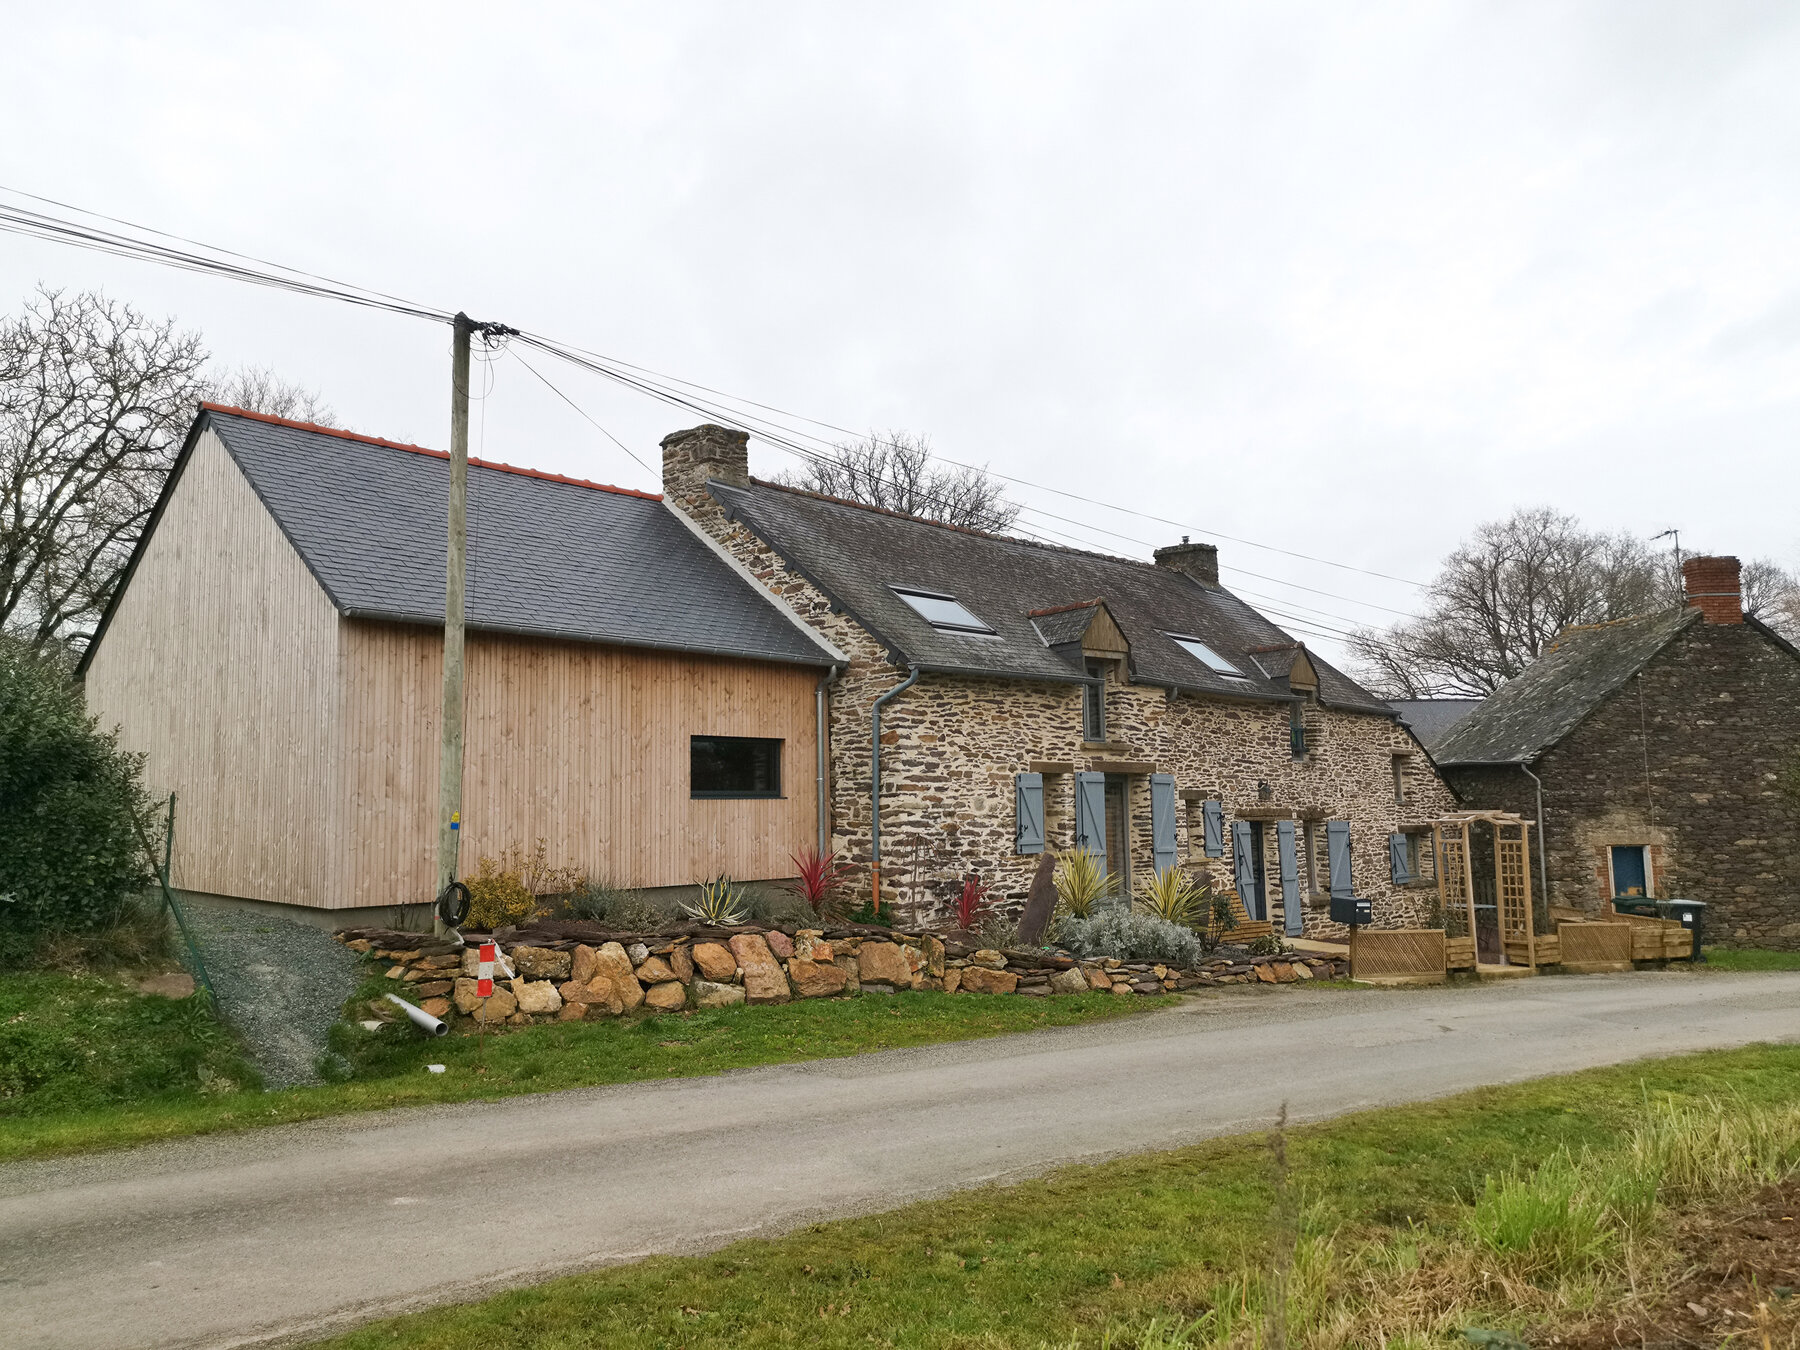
[1118, 829]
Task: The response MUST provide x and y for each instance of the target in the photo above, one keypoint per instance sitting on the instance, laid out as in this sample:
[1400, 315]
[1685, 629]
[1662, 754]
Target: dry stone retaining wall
[562, 979]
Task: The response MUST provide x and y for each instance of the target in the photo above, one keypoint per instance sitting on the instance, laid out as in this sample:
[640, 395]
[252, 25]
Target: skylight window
[1207, 657]
[943, 612]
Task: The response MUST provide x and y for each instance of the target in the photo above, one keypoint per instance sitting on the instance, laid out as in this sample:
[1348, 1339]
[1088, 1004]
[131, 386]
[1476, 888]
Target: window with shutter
[1212, 823]
[1028, 801]
[1243, 862]
[1090, 815]
[1293, 914]
[1400, 860]
[1337, 850]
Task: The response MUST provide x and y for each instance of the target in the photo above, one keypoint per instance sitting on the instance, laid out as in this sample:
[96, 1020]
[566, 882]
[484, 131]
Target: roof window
[1206, 656]
[943, 612]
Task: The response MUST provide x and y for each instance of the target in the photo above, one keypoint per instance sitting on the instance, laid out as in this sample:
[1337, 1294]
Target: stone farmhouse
[1657, 753]
[1022, 697]
[275, 651]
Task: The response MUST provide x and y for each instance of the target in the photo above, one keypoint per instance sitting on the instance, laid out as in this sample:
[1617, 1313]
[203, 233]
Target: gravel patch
[280, 985]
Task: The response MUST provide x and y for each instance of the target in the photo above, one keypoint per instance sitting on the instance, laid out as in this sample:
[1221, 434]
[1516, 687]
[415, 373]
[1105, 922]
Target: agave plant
[1174, 896]
[1081, 879]
[720, 903]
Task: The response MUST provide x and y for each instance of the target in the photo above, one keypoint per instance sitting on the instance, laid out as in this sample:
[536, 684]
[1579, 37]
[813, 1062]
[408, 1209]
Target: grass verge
[1744, 958]
[53, 1114]
[1513, 1207]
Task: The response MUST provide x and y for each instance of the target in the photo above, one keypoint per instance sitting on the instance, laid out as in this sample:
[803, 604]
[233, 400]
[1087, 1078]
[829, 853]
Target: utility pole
[450, 755]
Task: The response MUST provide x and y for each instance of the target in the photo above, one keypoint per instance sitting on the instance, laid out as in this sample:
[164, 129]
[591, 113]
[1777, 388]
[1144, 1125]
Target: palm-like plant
[720, 903]
[819, 880]
[1174, 896]
[1081, 879]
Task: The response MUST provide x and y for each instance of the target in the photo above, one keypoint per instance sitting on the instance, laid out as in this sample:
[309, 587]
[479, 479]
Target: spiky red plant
[818, 878]
[970, 901]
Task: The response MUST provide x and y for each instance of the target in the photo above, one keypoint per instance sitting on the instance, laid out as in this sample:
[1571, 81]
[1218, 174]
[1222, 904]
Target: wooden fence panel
[1398, 955]
[1595, 946]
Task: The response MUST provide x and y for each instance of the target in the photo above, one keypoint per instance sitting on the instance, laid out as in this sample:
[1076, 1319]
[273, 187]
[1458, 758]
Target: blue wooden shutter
[1337, 850]
[1028, 805]
[1162, 822]
[1397, 862]
[1212, 817]
[1292, 915]
[1243, 848]
[1090, 814]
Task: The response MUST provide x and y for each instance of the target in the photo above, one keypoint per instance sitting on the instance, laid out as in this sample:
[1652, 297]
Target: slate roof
[855, 554]
[1547, 700]
[1430, 719]
[548, 556]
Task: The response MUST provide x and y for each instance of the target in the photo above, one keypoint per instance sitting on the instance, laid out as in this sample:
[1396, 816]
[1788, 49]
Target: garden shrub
[71, 802]
[1115, 931]
[512, 888]
[618, 907]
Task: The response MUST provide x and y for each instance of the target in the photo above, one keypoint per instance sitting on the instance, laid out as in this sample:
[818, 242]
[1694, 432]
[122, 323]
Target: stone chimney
[1714, 587]
[691, 457]
[1199, 561]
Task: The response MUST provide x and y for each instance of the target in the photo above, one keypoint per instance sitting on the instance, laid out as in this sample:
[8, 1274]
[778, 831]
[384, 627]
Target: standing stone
[667, 996]
[779, 943]
[681, 961]
[536, 996]
[1040, 902]
[763, 980]
[1068, 982]
[815, 979]
[710, 995]
[981, 980]
[883, 963]
[715, 962]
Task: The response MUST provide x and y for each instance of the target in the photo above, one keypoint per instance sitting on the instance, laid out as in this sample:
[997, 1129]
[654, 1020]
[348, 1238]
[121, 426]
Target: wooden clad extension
[586, 746]
[303, 745]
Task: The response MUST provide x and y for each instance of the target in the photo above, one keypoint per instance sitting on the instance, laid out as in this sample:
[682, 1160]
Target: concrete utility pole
[450, 758]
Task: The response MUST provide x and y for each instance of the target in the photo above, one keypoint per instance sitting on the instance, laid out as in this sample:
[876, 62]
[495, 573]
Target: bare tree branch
[895, 471]
[260, 389]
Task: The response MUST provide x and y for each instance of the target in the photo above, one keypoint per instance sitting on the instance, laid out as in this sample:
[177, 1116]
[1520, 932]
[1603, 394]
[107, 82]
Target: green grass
[1098, 1252]
[163, 1097]
[1747, 958]
[81, 1044]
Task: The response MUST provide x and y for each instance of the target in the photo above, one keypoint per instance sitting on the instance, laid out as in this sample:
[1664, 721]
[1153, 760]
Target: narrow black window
[1296, 730]
[1093, 703]
[735, 766]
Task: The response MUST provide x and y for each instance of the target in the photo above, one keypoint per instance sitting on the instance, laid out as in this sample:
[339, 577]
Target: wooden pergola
[1450, 841]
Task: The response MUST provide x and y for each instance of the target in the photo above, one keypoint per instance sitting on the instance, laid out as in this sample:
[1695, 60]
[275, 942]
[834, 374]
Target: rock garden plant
[1118, 932]
[1175, 896]
[1082, 881]
[720, 902]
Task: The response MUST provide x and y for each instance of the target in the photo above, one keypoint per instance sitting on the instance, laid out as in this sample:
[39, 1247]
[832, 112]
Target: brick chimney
[1199, 561]
[691, 457]
[1713, 587]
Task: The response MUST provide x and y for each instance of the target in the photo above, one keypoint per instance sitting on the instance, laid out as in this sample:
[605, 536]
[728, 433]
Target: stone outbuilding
[1655, 751]
[1020, 697]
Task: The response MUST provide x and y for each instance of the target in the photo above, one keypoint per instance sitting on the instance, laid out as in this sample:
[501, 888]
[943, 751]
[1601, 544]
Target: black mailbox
[1352, 909]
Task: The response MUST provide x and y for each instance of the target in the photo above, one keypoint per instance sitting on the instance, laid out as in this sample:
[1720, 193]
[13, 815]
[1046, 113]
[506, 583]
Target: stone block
[433, 989]
[779, 943]
[710, 995]
[983, 980]
[990, 958]
[953, 979]
[1068, 982]
[681, 961]
[496, 1009]
[847, 962]
[667, 996]
[715, 962]
[763, 980]
[883, 963]
[437, 1007]
[934, 956]
[1096, 978]
[537, 996]
[542, 963]
[655, 970]
[814, 979]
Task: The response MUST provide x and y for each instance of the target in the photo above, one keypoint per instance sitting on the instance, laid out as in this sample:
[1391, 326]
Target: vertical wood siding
[584, 746]
[220, 665]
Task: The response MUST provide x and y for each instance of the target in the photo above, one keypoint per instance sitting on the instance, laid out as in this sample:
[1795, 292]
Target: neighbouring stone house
[1654, 751]
[1025, 696]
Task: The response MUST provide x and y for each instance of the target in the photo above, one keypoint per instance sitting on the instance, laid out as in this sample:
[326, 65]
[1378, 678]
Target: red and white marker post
[485, 956]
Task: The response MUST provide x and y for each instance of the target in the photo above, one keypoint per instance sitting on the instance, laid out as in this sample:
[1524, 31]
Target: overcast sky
[1346, 279]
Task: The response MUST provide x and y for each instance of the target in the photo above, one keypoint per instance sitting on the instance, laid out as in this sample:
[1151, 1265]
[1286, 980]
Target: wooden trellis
[1451, 842]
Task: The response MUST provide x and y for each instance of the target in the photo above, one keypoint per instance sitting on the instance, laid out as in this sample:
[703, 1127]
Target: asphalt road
[286, 1234]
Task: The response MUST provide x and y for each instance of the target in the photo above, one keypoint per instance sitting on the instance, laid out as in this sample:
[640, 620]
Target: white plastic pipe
[421, 1019]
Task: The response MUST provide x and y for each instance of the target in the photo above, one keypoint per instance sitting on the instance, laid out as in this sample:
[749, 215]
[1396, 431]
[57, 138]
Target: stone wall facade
[952, 745]
[1686, 760]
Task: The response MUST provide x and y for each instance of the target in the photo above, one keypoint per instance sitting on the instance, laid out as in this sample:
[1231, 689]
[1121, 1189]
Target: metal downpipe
[821, 698]
[912, 678]
[1543, 875]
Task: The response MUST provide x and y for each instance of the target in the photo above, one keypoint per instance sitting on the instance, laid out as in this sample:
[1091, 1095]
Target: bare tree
[94, 398]
[259, 389]
[1772, 594]
[895, 471]
[1503, 597]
